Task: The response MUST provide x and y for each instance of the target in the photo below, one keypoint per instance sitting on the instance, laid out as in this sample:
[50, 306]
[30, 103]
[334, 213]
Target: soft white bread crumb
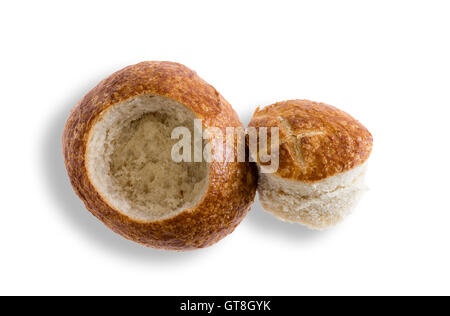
[317, 205]
[129, 159]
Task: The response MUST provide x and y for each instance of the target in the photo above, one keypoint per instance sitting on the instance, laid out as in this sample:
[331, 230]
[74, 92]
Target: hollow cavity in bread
[129, 159]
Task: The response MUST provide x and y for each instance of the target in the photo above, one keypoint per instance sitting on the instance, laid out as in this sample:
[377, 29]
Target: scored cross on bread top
[292, 141]
[317, 140]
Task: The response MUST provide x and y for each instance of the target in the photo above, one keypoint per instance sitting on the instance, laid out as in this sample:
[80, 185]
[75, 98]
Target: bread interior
[317, 205]
[129, 159]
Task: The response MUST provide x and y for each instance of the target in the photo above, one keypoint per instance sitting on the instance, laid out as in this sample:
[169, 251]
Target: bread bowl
[116, 145]
[323, 155]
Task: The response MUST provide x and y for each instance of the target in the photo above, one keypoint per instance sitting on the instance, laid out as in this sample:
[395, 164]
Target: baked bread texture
[117, 149]
[322, 161]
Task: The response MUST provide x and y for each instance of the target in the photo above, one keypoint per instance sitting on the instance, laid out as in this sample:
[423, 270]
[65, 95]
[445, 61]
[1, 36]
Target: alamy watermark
[227, 147]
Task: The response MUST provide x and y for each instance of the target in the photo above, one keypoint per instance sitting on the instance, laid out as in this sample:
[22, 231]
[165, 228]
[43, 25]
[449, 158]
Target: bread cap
[230, 188]
[322, 162]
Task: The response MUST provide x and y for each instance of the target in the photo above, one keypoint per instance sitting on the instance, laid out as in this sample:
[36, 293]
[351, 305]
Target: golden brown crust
[317, 140]
[231, 185]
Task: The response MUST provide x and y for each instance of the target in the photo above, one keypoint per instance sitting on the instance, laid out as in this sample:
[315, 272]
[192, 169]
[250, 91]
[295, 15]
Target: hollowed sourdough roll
[322, 161]
[117, 148]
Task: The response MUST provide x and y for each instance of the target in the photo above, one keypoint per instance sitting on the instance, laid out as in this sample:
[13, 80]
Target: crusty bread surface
[316, 140]
[118, 163]
[322, 162]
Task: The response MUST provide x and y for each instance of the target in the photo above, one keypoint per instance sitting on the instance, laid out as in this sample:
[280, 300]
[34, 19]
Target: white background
[387, 63]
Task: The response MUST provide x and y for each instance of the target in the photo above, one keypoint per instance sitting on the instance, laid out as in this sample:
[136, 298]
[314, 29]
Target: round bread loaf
[117, 148]
[322, 160]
